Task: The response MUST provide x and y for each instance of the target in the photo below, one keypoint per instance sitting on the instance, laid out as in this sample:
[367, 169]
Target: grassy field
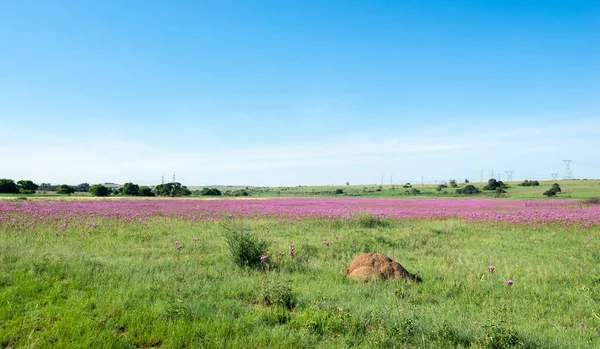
[571, 189]
[117, 284]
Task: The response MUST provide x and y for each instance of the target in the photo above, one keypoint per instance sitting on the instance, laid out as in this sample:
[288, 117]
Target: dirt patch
[375, 266]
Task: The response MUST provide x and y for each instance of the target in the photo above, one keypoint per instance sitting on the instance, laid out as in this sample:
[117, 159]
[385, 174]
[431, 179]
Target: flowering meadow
[159, 273]
[529, 212]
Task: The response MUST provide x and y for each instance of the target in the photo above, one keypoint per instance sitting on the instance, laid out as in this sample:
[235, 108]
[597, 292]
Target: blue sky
[298, 92]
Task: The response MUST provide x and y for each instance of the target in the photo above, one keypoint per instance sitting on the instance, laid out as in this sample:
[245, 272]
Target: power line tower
[554, 176]
[162, 181]
[173, 177]
[509, 175]
[568, 173]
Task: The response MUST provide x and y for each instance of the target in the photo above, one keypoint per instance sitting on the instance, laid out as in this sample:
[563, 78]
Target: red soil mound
[376, 266]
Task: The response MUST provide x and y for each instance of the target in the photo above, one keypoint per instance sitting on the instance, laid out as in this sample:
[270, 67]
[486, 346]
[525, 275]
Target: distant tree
[528, 183]
[99, 190]
[145, 191]
[493, 184]
[339, 191]
[65, 189]
[173, 189]
[8, 186]
[466, 181]
[556, 187]
[210, 192]
[415, 191]
[550, 193]
[469, 189]
[347, 183]
[440, 187]
[83, 188]
[130, 189]
[453, 183]
[27, 187]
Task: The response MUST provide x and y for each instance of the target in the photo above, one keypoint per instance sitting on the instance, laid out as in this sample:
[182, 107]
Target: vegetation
[145, 191]
[210, 192]
[494, 184]
[65, 189]
[8, 186]
[555, 189]
[99, 190]
[528, 183]
[127, 284]
[172, 189]
[469, 189]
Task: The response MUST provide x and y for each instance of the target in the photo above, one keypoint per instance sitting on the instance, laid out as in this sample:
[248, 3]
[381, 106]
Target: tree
[65, 189]
[175, 189]
[550, 193]
[347, 183]
[339, 191]
[453, 183]
[466, 181]
[469, 189]
[210, 192]
[27, 187]
[83, 187]
[8, 186]
[493, 184]
[99, 190]
[130, 189]
[556, 187]
[145, 191]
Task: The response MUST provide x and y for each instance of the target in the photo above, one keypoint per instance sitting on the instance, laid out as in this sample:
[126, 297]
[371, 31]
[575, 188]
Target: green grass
[572, 189]
[124, 285]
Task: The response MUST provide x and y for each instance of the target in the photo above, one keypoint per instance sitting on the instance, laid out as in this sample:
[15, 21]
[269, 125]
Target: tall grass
[126, 285]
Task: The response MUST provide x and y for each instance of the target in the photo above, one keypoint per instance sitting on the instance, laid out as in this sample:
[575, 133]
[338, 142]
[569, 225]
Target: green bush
[528, 183]
[8, 186]
[99, 190]
[279, 293]
[145, 191]
[65, 189]
[469, 189]
[245, 247]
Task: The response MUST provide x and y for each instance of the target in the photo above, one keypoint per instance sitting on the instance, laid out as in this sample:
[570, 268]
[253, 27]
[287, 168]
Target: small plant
[371, 221]
[279, 293]
[469, 189]
[245, 248]
[592, 201]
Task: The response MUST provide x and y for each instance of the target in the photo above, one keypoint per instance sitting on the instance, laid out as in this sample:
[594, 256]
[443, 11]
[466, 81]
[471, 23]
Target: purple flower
[280, 256]
[195, 239]
[491, 269]
[263, 258]
[509, 282]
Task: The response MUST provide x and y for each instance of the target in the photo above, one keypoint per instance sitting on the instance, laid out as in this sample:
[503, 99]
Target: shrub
[210, 192]
[65, 189]
[528, 183]
[440, 187]
[245, 247]
[339, 191]
[556, 187]
[130, 189]
[453, 183]
[592, 201]
[550, 192]
[407, 185]
[469, 189]
[277, 292]
[368, 220]
[499, 192]
[27, 187]
[145, 191]
[493, 184]
[99, 190]
[415, 191]
[8, 186]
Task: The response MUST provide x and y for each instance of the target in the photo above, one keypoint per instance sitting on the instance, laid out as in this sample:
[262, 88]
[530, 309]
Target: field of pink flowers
[526, 212]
